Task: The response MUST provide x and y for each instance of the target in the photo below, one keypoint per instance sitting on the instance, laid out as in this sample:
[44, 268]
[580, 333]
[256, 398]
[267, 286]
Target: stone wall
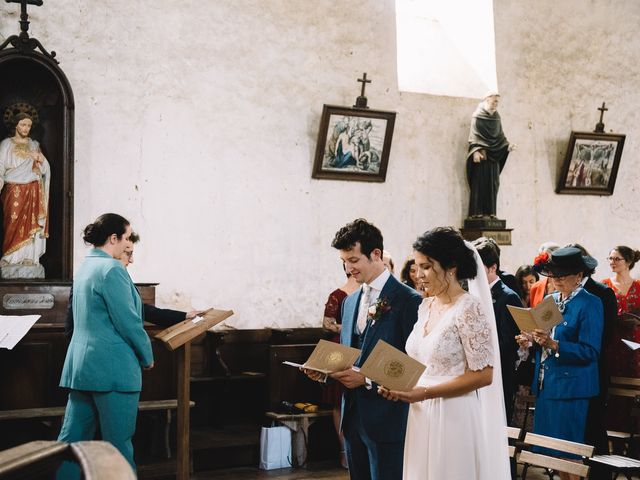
[198, 120]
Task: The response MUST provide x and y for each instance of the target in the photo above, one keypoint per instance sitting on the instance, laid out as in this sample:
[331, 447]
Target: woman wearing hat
[566, 371]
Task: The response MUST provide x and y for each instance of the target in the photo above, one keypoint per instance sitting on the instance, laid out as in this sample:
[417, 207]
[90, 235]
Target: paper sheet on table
[392, 368]
[329, 357]
[630, 344]
[14, 327]
[544, 316]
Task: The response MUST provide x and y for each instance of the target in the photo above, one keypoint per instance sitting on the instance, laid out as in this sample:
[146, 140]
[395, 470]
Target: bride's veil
[491, 397]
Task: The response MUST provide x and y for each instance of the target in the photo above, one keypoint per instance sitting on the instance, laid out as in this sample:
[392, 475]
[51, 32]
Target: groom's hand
[349, 378]
[315, 376]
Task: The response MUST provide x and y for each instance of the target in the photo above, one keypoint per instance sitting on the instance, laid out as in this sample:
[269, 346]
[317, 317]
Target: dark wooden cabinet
[237, 376]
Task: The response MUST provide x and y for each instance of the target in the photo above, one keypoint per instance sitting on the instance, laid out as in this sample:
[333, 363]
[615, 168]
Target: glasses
[615, 259]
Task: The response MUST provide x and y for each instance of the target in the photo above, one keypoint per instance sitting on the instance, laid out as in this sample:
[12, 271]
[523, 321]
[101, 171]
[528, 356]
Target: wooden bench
[548, 462]
[40, 459]
[55, 412]
[625, 387]
[299, 424]
[513, 435]
[622, 461]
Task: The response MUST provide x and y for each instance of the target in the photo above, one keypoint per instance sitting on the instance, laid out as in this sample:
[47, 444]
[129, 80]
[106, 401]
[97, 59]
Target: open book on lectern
[544, 316]
[329, 357]
[177, 335]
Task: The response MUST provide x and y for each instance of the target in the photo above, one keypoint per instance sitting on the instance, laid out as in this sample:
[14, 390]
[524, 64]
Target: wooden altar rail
[40, 459]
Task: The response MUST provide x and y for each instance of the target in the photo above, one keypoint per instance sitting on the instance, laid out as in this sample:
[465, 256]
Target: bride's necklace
[436, 312]
[562, 304]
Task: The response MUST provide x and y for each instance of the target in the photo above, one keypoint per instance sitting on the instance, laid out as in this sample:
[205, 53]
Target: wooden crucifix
[600, 125]
[361, 101]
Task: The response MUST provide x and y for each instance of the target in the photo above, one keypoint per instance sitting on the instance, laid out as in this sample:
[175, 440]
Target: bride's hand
[418, 394]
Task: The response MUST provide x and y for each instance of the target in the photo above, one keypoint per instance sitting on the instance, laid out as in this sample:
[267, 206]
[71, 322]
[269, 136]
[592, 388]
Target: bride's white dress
[444, 438]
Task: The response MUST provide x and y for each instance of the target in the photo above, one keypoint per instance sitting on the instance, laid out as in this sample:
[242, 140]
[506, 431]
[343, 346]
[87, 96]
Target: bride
[456, 426]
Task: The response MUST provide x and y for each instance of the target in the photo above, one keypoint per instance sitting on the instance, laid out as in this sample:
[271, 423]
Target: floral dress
[623, 361]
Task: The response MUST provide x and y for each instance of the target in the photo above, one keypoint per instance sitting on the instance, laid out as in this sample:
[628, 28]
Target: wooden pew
[55, 412]
[528, 458]
[40, 459]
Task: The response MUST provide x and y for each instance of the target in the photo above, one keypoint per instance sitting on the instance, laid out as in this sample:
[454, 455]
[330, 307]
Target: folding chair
[623, 464]
[514, 435]
[554, 464]
[625, 387]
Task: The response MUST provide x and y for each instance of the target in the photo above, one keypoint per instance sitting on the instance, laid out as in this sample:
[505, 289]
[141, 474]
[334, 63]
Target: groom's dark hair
[361, 231]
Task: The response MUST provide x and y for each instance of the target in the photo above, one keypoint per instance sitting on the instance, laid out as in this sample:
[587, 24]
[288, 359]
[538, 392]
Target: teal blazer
[109, 344]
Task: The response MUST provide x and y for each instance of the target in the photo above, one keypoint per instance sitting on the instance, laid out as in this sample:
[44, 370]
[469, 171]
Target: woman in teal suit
[109, 345]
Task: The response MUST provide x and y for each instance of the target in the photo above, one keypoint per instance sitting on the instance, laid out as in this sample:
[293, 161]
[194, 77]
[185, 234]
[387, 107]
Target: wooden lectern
[178, 338]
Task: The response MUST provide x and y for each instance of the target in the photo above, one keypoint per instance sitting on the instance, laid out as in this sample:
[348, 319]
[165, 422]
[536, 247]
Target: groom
[373, 428]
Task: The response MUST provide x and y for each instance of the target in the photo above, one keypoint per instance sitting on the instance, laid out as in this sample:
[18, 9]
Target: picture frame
[591, 164]
[353, 144]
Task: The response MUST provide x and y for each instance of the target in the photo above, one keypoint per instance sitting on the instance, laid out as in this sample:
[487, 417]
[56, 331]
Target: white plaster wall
[197, 120]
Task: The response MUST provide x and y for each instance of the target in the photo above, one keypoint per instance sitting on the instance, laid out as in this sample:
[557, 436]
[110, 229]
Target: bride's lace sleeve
[475, 335]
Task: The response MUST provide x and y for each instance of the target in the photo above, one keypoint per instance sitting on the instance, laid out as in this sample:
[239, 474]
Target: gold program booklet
[544, 316]
[329, 357]
[392, 368]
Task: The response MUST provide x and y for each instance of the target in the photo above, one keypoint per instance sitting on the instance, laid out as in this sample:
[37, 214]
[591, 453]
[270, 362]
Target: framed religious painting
[591, 164]
[353, 144]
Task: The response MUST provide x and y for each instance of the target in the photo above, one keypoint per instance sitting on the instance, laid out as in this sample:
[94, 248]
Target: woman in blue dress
[566, 371]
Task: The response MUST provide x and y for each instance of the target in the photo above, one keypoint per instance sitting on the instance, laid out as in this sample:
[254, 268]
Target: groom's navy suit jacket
[382, 420]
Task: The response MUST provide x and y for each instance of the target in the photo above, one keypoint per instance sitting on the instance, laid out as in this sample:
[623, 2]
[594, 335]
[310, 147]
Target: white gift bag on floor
[275, 448]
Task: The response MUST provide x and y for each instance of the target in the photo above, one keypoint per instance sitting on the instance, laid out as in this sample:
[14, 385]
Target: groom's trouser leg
[355, 449]
[386, 460]
[370, 460]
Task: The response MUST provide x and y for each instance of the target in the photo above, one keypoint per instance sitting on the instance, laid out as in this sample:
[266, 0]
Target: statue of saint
[24, 182]
[488, 152]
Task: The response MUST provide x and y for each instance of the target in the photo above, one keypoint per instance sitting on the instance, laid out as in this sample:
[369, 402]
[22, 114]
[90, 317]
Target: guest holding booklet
[456, 427]
[566, 372]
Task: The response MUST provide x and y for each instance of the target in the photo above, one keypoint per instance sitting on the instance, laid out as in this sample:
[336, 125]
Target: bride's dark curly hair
[446, 245]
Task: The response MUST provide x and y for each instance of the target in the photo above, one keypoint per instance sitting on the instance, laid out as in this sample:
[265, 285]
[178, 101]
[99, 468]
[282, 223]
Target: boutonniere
[377, 309]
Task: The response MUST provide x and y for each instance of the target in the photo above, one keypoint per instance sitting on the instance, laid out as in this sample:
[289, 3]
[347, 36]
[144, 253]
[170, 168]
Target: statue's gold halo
[19, 107]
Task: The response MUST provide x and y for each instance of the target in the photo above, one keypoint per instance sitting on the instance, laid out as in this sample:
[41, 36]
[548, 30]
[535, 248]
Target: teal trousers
[114, 412]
